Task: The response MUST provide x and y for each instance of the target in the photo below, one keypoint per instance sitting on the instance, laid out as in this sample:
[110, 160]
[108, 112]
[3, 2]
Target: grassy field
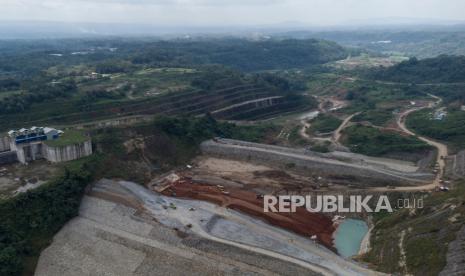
[69, 137]
[144, 82]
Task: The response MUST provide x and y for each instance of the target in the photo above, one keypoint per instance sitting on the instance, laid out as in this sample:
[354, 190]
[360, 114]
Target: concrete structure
[67, 153]
[28, 145]
[4, 144]
[311, 162]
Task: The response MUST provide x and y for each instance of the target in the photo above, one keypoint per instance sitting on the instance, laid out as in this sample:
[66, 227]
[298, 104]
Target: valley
[188, 138]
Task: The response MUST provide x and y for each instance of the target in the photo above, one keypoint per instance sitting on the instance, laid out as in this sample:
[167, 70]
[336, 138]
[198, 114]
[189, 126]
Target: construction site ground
[16, 178]
[257, 178]
[125, 229]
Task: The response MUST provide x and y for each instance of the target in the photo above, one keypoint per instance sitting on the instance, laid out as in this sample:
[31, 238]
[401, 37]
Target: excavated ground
[301, 222]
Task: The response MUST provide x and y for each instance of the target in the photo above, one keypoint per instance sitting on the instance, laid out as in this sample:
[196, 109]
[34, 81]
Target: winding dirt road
[335, 105]
[441, 148]
[338, 132]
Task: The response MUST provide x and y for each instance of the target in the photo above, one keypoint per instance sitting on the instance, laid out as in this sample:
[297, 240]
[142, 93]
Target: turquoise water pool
[349, 236]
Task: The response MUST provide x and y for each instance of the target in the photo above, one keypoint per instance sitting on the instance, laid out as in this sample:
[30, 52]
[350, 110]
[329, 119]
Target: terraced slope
[194, 102]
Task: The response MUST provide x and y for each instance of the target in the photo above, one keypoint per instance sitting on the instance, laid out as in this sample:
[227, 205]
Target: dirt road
[338, 132]
[441, 148]
[336, 104]
[303, 133]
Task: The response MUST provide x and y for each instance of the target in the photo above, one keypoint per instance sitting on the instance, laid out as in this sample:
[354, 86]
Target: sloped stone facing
[307, 162]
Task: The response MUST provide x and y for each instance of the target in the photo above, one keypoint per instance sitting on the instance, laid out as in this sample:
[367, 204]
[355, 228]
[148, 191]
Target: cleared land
[301, 222]
[125, 229]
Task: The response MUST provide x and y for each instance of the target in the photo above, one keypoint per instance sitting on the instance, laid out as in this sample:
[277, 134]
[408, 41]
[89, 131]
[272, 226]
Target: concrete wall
[7, 157]
[67, 153]
[29, 152]
[246, 106]
[4, 144]
[307, 162]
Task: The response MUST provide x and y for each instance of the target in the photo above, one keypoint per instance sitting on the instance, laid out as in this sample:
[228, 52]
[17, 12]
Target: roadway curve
[336, 104]
[441, 148]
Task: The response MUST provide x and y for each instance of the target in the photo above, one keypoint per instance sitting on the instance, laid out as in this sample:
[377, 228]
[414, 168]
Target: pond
[348, 237]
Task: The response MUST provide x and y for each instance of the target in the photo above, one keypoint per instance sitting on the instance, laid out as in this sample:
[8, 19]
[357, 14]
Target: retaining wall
[4, 144]
[68, 153]
[308, 162]
[248, 105]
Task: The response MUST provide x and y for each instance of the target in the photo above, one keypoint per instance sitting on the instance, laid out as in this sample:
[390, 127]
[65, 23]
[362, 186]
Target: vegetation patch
[450, 129]
[321, 147]
[428, 231]
[369, 95]
[441, 69]
[377, 117]
[373, 142]
[29, 221]
[324, 123]
[140, 152]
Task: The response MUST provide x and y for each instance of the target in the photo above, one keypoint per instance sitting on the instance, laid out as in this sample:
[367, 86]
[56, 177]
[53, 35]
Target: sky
[232, 12]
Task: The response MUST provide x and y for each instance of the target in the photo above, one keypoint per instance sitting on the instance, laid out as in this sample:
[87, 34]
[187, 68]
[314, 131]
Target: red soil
[301, 222]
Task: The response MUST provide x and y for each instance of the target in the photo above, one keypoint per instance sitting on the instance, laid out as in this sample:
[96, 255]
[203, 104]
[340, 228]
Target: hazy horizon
[240, 13]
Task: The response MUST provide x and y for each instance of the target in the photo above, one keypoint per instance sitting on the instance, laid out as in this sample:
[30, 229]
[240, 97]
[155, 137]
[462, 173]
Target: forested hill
[246, 55]
[29, 57]
[281, 54]
[441, 69]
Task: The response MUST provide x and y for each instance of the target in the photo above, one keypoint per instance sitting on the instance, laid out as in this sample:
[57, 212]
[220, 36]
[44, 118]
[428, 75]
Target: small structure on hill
[45, 143]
